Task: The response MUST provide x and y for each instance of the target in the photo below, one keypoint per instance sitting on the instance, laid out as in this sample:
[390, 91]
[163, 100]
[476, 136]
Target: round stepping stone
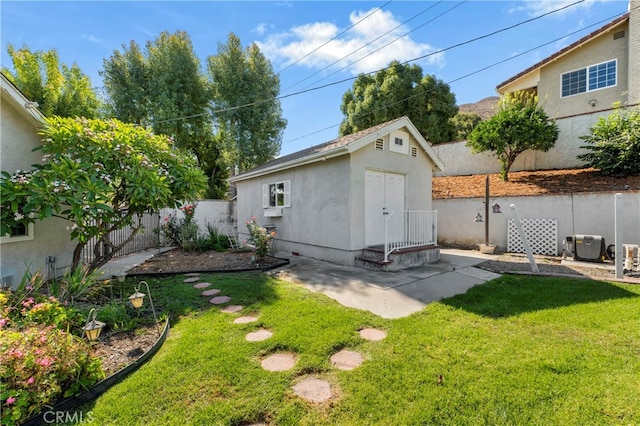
[258, 336]
[372, 334]
[231, 309]
[312, 389]
[279, 362]
[191, 280]
[244, 320]
[202, 285]
[210, 292]
[219, 300]
[346, 360]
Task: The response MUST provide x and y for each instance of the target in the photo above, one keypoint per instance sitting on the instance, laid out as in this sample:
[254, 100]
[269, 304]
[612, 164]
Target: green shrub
[212, 240]
[117, 316]
[40, 365]
[181, 232]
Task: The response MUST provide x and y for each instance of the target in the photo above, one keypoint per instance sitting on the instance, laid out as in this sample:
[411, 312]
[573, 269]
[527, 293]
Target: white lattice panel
[542, 235]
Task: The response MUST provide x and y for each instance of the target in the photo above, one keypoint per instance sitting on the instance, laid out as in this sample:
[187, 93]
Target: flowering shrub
[40, 361]
[181, 232]
[260, 238]
[38, 366]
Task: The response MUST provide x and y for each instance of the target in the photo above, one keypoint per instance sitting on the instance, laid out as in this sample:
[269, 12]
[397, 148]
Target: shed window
[276, 194]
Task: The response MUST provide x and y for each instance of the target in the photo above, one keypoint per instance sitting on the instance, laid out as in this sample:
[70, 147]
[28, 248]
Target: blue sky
[88, 32]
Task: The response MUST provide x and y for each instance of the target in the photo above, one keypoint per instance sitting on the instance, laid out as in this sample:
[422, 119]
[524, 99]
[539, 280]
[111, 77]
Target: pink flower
[31, 381]
[10, 400]
[15, 353]
[166, 219]
[45, 362]
[3, 321]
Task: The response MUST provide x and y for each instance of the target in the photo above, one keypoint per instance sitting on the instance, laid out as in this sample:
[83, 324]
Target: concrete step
[372, 263]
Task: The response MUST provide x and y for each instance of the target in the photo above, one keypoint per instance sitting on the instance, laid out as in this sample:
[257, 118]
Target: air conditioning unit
[590, 248]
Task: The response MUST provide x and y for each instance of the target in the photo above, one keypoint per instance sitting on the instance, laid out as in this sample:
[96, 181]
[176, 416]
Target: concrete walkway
[390, 294]
[386, 294]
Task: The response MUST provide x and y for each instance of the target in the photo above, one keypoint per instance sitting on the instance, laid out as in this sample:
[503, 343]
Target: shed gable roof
[341, 146]
[573, 46]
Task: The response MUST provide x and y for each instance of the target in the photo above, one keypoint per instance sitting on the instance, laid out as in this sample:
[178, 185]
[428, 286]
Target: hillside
[485, 108]
[532, 183]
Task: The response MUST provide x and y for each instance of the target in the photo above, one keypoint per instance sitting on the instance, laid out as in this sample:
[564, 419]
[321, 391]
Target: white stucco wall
[591, 214]
[318, 222]
[219, 213]
[18, 136]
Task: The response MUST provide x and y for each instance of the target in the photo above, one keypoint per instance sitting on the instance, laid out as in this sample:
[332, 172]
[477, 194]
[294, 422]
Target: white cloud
[360, 44]
[539, 7]
[92, 38]
[261, 29]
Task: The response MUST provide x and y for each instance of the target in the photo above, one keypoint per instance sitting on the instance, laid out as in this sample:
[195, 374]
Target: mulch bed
[180, 261]
[119, 349]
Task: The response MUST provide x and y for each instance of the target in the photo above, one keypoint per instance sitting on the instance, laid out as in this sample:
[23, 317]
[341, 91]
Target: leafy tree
[251, 135]
[400, 90]
[465, 122]
[614, 143]
[165, 88]
[100, 176]
[519, 124]
[57, 88]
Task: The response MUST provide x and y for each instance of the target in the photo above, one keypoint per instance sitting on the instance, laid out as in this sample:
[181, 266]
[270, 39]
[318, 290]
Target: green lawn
[515, 351]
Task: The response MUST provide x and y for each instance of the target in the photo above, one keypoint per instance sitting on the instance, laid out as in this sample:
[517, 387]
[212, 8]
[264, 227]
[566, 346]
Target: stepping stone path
[279, 362]
[191, 279]
[244, 320]
[210, 292]
[372, 334]
[258, 336]
[314, 390]
[231, 308]
[219, 300]
[346, 360]
[202, 285]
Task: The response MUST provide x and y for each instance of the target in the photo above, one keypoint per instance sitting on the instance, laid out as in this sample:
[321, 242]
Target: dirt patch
[118, 350]
[179, 261]
[529, 183]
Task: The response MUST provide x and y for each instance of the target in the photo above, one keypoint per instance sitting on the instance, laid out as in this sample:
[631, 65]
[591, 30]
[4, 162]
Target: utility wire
[329, 41]
[362, 47]
[233, 108]
[383, 46]
[461, 77]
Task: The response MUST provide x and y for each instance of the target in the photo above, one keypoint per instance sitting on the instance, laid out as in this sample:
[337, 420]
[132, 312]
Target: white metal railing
[408, 228]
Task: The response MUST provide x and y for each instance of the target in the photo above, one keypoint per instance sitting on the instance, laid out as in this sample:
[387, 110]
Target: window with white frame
[19, 232]
[276, 194]
[590, 78]
[399, 142]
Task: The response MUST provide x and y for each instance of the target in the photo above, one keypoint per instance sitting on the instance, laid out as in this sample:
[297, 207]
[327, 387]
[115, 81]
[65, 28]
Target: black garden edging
[282, 262]
[71, 403]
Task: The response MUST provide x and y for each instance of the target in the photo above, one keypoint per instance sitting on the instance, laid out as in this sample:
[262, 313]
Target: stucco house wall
[20, 122]
[326, 216]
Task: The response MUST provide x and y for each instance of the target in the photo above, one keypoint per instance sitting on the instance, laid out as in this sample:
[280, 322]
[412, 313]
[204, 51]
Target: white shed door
[384, 193]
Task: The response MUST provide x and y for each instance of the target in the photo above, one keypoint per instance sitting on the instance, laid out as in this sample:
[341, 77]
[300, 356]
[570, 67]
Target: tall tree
[57, 88]
[100, 176]
[520, 124]
[464, 123]
[251, 134]
[164, 87]
[400, 89]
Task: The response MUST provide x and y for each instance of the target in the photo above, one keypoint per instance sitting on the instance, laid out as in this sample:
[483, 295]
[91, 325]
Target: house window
[590, 78]
[276, 194]
[19, 232]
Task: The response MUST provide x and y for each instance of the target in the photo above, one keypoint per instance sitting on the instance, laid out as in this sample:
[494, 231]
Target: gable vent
[414, 151]
[379, 144]
[619, 34]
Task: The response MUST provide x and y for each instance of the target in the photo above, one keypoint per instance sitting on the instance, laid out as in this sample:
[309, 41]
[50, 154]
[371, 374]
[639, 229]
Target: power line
[330, 40]
[382, 47]
[464, 76]
[233, 108]
[362, 47]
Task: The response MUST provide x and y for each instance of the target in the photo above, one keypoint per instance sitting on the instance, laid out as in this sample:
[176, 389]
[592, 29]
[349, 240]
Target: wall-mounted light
[593, 102]
[495, 208]
[478, 218]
